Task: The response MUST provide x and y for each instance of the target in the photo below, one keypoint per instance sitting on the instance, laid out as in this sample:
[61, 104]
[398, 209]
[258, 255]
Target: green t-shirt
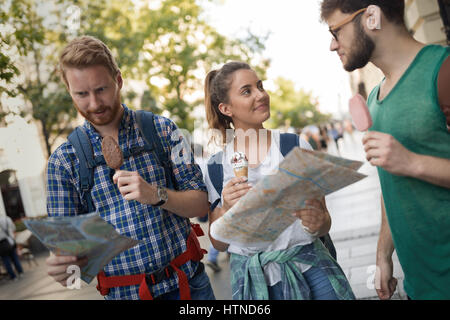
[418, 212]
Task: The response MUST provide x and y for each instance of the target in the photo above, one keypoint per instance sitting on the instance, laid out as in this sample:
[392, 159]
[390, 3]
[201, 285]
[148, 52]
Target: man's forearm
[385, 247]
[327, 224]
[189, 204]
[213, 216]
[431, 169]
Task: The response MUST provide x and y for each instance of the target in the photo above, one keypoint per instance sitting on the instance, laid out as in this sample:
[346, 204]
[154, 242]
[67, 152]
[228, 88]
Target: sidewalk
[35, 284]
[356, 256]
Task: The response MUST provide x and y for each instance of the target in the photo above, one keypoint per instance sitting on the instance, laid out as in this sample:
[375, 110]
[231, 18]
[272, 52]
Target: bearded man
[409, 141]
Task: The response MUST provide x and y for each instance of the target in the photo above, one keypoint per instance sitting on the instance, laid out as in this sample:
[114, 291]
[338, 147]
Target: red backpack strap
[197, 229]
[193, 252]
[105, 283]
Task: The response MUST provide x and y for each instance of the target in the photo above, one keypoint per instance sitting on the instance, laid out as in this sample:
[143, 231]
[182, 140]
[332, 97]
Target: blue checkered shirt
[163, 233]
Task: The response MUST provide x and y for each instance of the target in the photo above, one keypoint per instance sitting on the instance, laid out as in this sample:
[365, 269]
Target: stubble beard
[363, 49]
[113, 110]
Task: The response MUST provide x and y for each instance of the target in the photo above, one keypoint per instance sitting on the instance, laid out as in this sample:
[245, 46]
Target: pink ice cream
[360, 113]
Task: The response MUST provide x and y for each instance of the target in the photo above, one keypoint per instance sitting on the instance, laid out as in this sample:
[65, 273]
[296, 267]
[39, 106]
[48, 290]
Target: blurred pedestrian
[8, 248]
[335, 135]
[323, 138]
[350, 144]
[409, 140]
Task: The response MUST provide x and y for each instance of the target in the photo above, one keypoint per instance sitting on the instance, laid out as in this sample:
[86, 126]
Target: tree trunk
[46, 138]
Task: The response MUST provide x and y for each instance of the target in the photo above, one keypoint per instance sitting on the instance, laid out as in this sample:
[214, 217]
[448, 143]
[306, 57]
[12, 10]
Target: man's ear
[119, 80]
[373, 15]
[225, 109]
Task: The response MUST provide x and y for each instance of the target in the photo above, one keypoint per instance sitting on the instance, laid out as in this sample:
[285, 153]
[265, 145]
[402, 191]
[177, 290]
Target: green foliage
[41, 29]
[115, 23]
[28, 45]
[170, 49]
[177, 47]
[18, 39]
[149, 103]
[295, 108]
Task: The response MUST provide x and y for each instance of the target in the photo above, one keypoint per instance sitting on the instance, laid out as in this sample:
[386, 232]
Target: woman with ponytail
[296, 265]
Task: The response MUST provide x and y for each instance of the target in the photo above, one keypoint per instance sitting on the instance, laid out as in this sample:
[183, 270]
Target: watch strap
[160, 203]
[162, 199]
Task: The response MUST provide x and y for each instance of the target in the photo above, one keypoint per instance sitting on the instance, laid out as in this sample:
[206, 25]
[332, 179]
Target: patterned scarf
[248, 281]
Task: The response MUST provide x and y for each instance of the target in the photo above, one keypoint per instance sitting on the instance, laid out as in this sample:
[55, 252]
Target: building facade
[22, 168]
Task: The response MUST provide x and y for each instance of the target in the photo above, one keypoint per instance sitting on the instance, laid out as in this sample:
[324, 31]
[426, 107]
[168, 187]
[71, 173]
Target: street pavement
[355, 212]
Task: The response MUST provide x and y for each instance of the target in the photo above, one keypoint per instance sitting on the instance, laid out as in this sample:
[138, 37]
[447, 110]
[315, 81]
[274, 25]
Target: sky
[298, 45]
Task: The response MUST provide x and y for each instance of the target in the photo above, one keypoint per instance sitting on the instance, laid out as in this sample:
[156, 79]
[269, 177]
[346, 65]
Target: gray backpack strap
[147, 127]
[215, 172]
[83, 150]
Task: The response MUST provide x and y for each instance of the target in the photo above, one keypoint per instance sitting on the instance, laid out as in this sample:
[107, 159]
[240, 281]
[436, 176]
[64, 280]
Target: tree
[169, 48]
[17, 39]
[179, 49]
[31, 48]
[115, 22]
[294, 107]
[42, 28]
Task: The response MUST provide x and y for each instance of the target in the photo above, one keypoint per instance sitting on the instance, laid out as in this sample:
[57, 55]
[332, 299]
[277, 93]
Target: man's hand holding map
[266, 210]
[86, 235]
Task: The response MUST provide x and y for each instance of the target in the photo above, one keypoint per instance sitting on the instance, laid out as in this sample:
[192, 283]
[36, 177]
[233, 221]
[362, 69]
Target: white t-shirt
[294, 235]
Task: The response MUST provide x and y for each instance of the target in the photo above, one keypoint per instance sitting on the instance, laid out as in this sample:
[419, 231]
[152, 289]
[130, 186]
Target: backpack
[288, 141]
[85, 154]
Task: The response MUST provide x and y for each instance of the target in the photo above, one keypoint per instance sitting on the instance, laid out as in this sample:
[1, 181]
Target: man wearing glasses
[409, 141]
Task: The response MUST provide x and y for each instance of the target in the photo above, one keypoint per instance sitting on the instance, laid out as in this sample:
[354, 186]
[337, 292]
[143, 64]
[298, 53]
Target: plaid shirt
[248, 281]
[163, 233]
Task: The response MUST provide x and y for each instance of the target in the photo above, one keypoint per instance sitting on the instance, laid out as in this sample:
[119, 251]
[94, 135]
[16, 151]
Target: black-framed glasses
[335, 29]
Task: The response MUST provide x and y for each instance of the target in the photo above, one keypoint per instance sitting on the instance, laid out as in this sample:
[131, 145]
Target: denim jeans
[213, 253]
[14, 258]
[199, 285]
[318, 282]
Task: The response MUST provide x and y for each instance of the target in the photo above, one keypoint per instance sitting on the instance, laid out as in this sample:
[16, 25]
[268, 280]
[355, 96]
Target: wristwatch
[162, 196]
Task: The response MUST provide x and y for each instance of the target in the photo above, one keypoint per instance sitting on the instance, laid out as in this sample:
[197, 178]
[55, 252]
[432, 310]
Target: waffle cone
[241, 172]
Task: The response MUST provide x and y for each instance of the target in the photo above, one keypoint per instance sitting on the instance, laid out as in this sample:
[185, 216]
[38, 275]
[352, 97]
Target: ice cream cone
[241, 172]
[239, 163]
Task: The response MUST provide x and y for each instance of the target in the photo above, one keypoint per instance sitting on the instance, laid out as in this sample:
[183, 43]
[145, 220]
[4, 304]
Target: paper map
[266, 210]
[84, 235]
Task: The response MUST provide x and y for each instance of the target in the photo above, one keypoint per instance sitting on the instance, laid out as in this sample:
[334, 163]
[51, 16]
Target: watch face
[162, 194]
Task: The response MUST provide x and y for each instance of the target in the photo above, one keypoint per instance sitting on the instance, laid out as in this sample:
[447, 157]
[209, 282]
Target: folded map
[260, 216]
[86, 235]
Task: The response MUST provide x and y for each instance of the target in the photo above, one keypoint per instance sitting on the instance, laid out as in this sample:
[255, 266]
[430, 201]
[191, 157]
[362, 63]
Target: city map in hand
[260, 216]
[86, 235]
